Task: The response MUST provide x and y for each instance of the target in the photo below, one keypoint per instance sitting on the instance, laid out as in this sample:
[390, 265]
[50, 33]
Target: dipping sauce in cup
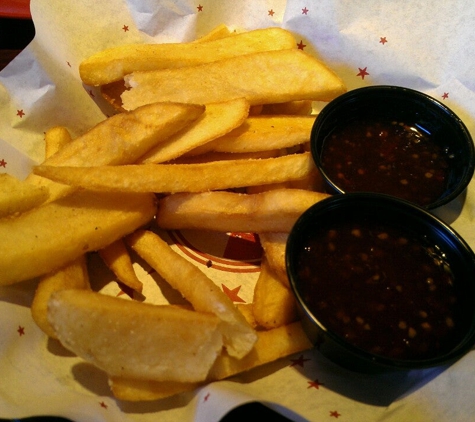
[381, 283]
[395, 141]
[387, 157]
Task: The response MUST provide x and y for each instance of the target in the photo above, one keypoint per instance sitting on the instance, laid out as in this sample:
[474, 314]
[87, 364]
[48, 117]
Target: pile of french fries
[207, 135]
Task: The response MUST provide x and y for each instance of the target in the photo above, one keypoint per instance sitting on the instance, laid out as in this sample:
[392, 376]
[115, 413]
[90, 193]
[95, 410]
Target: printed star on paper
[301, 45]
[102, 404]
[334, 414]
[383, 40]
[445, 96]
[125, 28]
[205, 399]
[362, 72]
[271, 12]
[314, 384]
[21, 330]
[3, 163]
[20, 113]
[233, 294]
[304, 11]
[200, 8]
[69, 64]
[300, 361]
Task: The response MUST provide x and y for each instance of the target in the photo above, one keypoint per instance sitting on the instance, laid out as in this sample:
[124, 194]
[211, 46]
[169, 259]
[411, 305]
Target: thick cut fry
[134, 339]
[171, 178]
[52, 235]
[275, 210]
[217, 120]
[226, 156]
[197, 288]
[262, 133]
[55, 139]
[17, 196]
[274, 244]
[221, 31]
[117, 258]
[120, 139]
[72, 276]
[271, 346]
[261, 78]
[273, 304]
[114, 63]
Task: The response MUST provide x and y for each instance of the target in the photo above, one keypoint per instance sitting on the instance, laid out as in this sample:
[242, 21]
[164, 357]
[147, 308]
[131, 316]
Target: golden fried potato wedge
[262, 78]
[120, 139]
[117, 258]
[274, 244]
[72, 276]
[274, 304]
[217, 120]
[271, 345]
[114, 63]
[55, 139]
[17, 196]
[204, 295]
[171, 178]
[271, 211]
[54, 234]
[221, 31]
[262, 133]
[136, 340]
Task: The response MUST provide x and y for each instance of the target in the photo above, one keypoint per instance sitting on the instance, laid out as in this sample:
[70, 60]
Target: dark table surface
[15, 35]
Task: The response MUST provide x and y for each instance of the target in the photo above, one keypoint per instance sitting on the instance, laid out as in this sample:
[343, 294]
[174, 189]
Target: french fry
[72, 276]
[221, 31]
[197, 288]
[117, 258]
[217, 120]
[54, 234]
[271, 345]
[136, 340]
[262, 78]
[274, 244]
[274, 304]
[226, 156]
[271, 211]
[55, 139]
[262, 133]
[18, 196]
[114, 63]
[171, 178]
[120, 139]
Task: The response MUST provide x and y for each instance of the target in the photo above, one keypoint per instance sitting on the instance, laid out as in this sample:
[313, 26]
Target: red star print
[125, 28]
[314, 384]
[205, 399]
[233, 294]
[3, 163]
[299, 361]
[304, 11]
[200, 8]
[20, 113]
[271, 12]
[69, 64]
[102, 404]
[445, 96]
[334, 414]
[362, 72]
[383, 40]
[21, 330]
[301, 45]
